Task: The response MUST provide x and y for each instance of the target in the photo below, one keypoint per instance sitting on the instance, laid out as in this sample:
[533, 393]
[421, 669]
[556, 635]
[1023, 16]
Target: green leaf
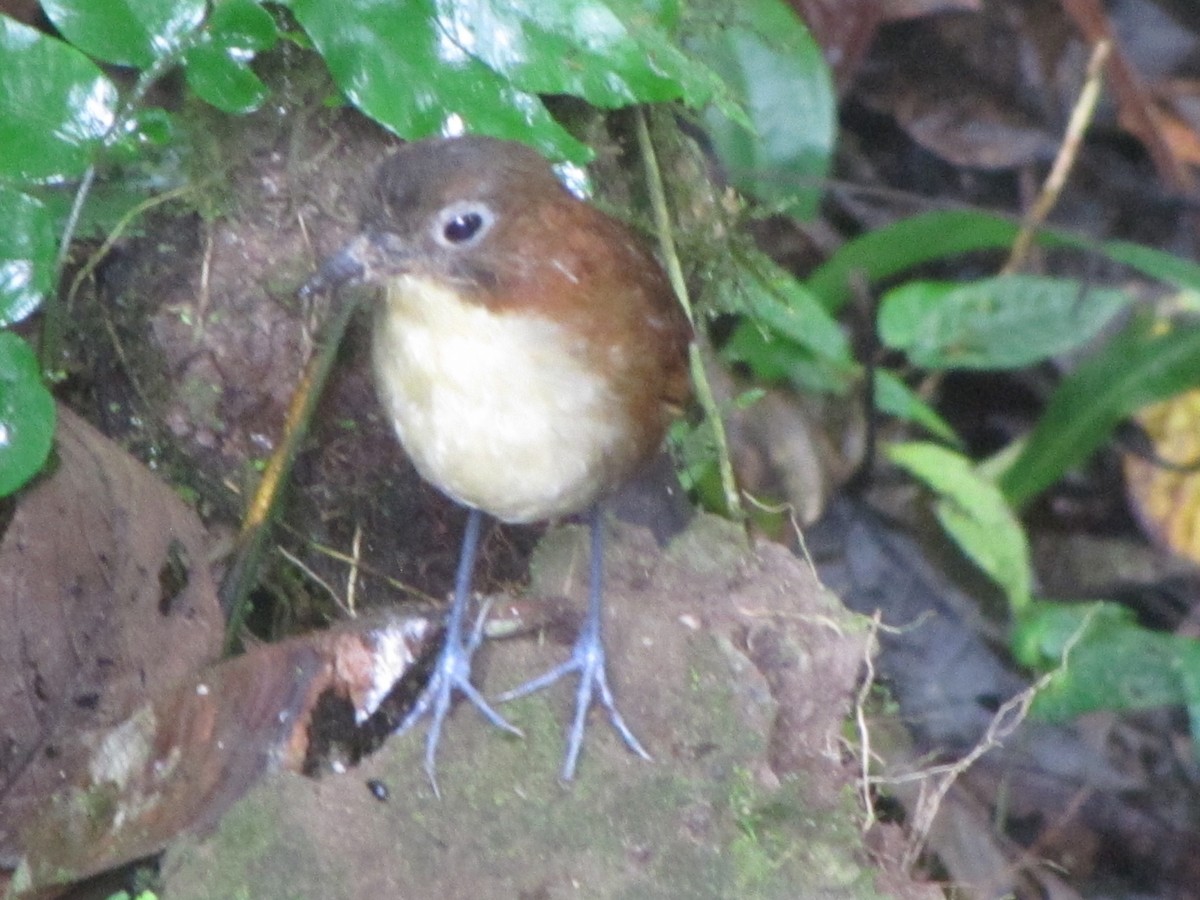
[1155, 263]
[396, 64]
[994, 323]
[778, 75]
[218, 69]
[609, 52]
[777, 301]
[242, 26]
[1113, 663]
[27, 251]
[896, 398]
[217, 78]
[888, 251]
[127, 32]
[26, 414]
[975, 514]
[787, 335]
[1134, 370]
[893, 249]
[55, 106]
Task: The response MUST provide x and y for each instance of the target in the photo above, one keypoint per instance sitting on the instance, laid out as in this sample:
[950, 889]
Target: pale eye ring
[463, 224]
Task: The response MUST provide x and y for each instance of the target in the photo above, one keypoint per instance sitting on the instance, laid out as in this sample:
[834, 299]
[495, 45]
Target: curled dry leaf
[184, 757]
[105, 593]
[119, 729]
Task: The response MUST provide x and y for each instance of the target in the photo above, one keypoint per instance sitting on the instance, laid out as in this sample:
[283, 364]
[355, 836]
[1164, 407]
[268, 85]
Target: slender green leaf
[895, 248]
[1155, 263]
[896, 398]
[994, 323]
[787, 335]
[975, 514]
[1135, 369]
[26, 414]
[774, 358]
[55, 106]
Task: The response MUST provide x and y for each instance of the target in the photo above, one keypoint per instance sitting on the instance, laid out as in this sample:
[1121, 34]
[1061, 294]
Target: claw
[589, 660]
[452, 671]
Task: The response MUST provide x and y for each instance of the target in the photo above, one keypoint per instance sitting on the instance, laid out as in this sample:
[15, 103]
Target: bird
[530, 354]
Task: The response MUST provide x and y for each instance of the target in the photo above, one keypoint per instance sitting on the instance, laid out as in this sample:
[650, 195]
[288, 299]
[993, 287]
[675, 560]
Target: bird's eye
[462, 224]
[462, 227]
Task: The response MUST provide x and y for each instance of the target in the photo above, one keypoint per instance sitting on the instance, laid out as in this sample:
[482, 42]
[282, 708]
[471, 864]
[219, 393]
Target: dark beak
[347, 266]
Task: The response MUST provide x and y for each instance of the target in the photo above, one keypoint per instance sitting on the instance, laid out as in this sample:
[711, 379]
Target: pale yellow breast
[497, 410]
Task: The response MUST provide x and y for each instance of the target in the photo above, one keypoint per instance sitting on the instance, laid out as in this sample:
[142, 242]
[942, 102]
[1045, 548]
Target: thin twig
[860, 721]
[309, 573]
[1081, 118]
[936, 781]
[356, 559]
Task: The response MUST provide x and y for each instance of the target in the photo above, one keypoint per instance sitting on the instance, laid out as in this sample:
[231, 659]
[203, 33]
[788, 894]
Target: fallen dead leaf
[105, 593]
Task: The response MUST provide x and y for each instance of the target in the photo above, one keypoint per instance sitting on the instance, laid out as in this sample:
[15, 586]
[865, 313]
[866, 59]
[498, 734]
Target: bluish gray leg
[453, 667]
[588, 659]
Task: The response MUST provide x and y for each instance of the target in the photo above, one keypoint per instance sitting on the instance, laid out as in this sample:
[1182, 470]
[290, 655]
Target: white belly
[495, 409]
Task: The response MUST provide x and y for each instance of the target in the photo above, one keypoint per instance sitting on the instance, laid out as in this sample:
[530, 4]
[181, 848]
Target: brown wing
[631, 321]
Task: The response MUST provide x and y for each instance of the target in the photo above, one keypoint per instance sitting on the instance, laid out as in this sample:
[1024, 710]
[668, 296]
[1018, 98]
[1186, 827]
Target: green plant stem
[704, 392]
[256, 527]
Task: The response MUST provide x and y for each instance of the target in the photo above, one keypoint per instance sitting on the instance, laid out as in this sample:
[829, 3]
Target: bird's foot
[588, 659]
[451, 672]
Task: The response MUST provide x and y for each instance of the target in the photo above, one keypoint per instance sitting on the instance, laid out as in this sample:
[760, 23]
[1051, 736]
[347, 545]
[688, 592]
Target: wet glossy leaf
[217, 78]
[55, 106]
[1135, 370]
[218, 70]
[129, 32]
[27, 249]
[994, 323]
[779, 77]
[398, 66]
[26, 414]
[241, 25]
[609, 52]
[975, 514]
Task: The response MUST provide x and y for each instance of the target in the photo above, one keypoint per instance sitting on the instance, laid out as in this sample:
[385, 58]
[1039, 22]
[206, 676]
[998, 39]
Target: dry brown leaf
[181, 760]
[105, 593]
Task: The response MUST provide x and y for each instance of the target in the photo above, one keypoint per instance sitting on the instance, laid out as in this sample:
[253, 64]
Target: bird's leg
[453, 667]
[588, 659]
